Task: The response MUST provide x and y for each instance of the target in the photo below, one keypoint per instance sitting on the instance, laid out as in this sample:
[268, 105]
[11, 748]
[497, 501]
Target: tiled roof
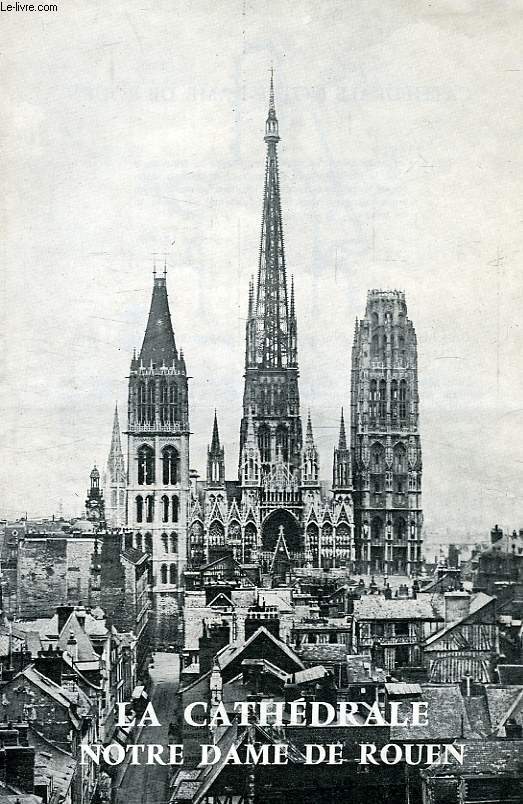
[319, 654]
[376, 607]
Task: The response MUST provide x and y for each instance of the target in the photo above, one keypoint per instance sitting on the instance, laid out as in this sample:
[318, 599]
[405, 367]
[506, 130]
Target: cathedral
[277, 512]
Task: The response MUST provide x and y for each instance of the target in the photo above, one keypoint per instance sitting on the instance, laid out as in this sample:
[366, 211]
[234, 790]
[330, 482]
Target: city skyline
[355, 216]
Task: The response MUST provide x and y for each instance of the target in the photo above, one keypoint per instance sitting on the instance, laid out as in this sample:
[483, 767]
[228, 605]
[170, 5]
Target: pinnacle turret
[342, 441]
[309, 438]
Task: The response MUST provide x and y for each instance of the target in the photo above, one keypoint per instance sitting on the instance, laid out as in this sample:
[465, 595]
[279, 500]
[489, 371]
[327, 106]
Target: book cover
[261, 534]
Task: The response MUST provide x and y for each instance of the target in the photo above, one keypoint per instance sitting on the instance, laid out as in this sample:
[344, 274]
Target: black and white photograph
[261, 519]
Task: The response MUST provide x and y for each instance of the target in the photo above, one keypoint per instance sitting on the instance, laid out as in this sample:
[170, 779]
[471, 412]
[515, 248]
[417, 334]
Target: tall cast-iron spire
[271, 370]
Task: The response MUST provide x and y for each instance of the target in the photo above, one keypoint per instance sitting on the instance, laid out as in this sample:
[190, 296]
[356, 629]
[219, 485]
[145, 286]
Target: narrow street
[148, 784]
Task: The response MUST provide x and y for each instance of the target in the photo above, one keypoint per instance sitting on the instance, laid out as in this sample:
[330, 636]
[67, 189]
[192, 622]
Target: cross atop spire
[342, 441]
[215, 443]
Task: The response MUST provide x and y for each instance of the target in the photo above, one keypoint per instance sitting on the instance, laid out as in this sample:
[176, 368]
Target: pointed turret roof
[159, 346]
[309, 438]
[115, 450]
[215, 443]
[342, 441]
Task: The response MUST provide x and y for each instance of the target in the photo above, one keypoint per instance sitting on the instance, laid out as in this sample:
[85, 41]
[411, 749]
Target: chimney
[72, 647]
[81, 615]
[457, 606]
[64, 612]
[513, 729]
[49, 664]
[215, 637]
[20, 767]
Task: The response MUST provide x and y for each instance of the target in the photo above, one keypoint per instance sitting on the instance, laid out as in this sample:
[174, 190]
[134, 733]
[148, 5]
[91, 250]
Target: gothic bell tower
[158, 489]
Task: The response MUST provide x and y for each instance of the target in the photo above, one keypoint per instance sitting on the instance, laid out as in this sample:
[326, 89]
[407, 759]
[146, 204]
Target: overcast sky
[128, 126]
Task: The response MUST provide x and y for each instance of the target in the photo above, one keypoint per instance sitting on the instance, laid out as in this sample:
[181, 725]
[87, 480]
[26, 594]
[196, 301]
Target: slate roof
[376, 607]
[446, 715]
[61, 695]
[232, 651]
[478, 602]
[53, 763]
[134, 556]
[86, 652]
[159, 346]
[504, 702]
[484, 757]
[310, 674]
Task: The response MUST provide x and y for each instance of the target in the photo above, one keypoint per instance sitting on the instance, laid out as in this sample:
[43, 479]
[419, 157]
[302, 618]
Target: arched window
[282, 442]
[139, 508]
[175, 507]
[264, 443]
[165, 543]
[163, 573]
[128, 540]
[169, 466]
[400, 459]
[383, 399]
[216, 534]
[403, 399]
[173, 575]
[145, 465]
[165, 508]
[164, 402]
[374, 320]
[376, 528]
[400, 529]
[375, 345]
[173, 540]
[139, 541]
[149, 543]
[151, 399]
[174, 412]
[141, 403]
[377, 458]
[149, 508]
[394, 399]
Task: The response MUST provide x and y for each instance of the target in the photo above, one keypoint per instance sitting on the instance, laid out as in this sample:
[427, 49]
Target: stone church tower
[385, 440]
[158, 491]
[271, 396]
[115, 479]
[276, 511]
